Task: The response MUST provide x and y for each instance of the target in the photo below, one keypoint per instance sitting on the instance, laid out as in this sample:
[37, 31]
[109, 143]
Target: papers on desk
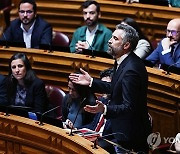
[86, 133]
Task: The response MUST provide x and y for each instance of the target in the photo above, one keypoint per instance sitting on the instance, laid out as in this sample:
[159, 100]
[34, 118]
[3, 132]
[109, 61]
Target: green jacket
[174, 3]
[101, 38]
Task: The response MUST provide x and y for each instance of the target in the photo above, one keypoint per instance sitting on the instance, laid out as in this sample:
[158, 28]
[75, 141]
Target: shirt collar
[120, 59]
[93, 31]
[30, 29]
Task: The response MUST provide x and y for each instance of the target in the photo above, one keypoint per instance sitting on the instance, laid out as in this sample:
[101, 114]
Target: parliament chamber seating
[66, 16]
[5, 8]
[60, 39]
[163, 97]
[55, 96]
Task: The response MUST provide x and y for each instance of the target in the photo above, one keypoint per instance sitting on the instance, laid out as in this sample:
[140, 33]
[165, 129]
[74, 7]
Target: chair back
[60, 39]
[55, 96]
[5, 3]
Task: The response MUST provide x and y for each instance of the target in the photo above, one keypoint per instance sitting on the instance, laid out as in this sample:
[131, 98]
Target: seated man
[3, 94]
[168, 50]
[29, 27]
[93, 35]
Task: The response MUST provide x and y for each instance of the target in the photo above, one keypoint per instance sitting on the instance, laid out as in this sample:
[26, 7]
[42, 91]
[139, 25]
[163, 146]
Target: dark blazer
[42, 33]
[86, 116]
[127, 109]
[3, 90]
[36, 96]
[157, 57]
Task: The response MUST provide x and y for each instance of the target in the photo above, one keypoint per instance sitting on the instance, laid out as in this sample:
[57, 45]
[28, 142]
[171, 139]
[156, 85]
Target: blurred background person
[144, 47]
[29, 27]
[93, 35]
[74, 101]
[24, 88]
[168, 50]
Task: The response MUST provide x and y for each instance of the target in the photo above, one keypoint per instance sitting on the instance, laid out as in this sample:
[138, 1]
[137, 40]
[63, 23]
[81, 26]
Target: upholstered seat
[55, 96]
[60, 39]
[5, 7]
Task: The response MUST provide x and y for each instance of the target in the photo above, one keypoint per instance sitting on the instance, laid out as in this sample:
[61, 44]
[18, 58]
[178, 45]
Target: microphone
[81, 103]
[41, 120]
[111, 142]
[50, 47]
[4, 36]
[92, 50]
[169, 67]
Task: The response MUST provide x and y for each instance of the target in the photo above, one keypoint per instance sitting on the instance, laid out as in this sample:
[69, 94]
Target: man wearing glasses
[168, 50]
[29, 27]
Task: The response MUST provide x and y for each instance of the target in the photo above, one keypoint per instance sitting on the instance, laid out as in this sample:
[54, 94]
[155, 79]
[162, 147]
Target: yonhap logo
[154, 140]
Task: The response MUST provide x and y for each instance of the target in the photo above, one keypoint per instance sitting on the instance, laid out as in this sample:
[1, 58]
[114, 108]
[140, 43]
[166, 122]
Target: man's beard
[114, 51]
[27, 21]
[91, 23]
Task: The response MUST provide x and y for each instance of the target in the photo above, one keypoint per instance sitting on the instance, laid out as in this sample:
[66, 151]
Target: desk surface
[22, 135]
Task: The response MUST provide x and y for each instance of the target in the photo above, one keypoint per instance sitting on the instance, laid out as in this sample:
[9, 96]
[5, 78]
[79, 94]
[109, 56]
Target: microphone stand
[94, 146]
[71, 132]
[5, 40]
[168, 69]
[41, 121]
[92, 51]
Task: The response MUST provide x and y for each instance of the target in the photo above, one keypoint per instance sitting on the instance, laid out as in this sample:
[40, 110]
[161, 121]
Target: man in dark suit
[29, 27]
[3, 94]
[127, 107]
[168, 50]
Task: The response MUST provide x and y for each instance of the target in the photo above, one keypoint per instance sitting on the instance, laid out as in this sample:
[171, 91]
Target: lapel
[118, 74]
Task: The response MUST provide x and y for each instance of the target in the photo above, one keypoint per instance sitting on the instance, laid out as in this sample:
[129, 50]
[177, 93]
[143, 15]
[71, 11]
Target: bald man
[168, 50]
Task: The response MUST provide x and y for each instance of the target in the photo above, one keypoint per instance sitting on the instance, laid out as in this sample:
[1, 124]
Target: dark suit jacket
[157, 57]
[3, 92]
[127, 108]
[42, 33]
[36, 96]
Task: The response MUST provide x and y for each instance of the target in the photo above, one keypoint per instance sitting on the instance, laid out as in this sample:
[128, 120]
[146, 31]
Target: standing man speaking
[127, 108]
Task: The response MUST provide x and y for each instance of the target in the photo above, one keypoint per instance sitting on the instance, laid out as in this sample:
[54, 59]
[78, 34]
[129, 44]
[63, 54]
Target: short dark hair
[32, 2]
[131, 35]
[90, 2]
[106, 73]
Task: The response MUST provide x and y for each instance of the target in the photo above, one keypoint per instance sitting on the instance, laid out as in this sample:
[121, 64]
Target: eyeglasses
[28, 12]
[173, 32]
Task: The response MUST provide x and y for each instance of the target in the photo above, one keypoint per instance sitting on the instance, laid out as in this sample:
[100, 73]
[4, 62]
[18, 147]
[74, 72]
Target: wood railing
[66, 16]
[22, 135]
[54, 68]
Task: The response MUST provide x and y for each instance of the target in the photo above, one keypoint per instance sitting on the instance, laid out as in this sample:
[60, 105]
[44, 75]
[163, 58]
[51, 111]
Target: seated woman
[74, 101]
[144, 47]
[24, 88]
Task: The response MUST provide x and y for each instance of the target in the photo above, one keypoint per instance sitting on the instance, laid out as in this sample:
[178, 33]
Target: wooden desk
[54, 68]
[22, 135]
